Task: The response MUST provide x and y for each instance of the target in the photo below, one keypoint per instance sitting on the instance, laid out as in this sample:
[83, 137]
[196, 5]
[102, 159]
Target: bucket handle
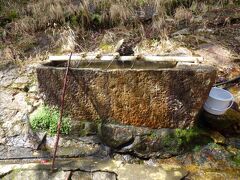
[221, 109]
[231, 104]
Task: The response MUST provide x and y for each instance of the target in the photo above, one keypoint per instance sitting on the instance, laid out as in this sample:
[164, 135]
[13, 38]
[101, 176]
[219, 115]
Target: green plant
[142, 2]
[153, 135]
[96, 19]
[186, 135]
[236, 158]
[74, 21]
[13, 15]
[182, 139]
[172, 143]
[214, 146]
[197, 148]
[46, 119]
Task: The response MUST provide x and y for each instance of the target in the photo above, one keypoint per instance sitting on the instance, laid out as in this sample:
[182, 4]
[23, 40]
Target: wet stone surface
[13, 152]
[210, 156]
[78, 146]
[90, 168]
[68, 147]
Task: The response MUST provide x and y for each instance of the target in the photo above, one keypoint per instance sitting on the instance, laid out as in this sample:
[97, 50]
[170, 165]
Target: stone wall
[155, 98]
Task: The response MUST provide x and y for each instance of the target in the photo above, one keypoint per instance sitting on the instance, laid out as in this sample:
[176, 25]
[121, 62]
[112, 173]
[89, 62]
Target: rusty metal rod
[61, 112]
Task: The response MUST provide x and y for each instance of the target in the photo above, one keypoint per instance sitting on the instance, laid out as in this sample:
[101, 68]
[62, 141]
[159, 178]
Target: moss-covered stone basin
[139, 93]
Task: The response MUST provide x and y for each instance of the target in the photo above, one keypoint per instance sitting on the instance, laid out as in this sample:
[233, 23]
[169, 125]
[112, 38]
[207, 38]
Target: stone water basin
[139, 93]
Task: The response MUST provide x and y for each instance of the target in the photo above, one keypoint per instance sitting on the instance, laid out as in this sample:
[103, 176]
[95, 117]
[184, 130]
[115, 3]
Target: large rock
[145, 142]
[116, 136]
[143, 96]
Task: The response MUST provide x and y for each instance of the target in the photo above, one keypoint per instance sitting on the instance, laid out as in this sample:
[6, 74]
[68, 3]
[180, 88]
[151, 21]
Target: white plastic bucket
[219, 101]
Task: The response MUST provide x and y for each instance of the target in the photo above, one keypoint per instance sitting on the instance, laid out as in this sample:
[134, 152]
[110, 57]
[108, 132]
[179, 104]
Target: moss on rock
[146, 142]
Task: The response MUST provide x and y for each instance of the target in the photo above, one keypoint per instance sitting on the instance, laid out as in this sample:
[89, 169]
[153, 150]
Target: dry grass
[39, 15]
[121, 14]
[69, 25]
[61, 18]
[67, 41]
[183, 14]
[157, 47]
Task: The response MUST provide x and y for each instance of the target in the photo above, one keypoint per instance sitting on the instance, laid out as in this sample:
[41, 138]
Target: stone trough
[154, 94]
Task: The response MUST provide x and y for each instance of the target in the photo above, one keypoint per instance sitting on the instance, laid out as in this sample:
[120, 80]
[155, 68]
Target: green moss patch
[185, 139]
[46, 119]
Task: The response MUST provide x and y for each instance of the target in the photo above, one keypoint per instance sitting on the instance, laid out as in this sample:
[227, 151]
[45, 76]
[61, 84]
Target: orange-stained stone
[150, 97]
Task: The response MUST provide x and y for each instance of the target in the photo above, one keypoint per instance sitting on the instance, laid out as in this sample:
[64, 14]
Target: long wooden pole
[61, 112]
